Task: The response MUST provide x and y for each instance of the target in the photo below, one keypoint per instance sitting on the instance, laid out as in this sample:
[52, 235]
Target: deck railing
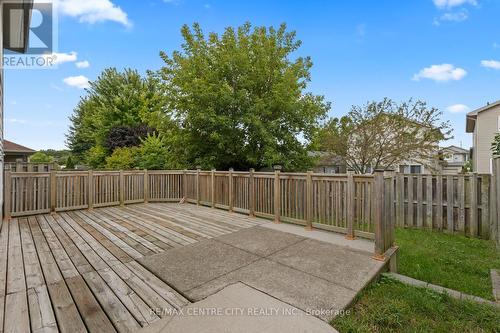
[355, 205]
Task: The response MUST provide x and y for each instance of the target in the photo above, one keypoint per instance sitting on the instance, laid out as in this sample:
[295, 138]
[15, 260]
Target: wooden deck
[77, 271]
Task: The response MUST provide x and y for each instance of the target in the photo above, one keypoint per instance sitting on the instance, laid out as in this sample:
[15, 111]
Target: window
[498, 123]
[416, 169]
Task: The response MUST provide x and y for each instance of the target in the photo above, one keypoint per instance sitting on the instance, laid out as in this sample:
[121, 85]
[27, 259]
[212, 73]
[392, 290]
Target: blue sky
[446, 52]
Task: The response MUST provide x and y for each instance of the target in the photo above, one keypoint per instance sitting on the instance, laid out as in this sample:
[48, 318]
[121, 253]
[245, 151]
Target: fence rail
[29, 167]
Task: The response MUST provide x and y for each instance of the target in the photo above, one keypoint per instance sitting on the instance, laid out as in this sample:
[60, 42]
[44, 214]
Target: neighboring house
[449, 160]
[14, 152]
[327, 163]
[483, 123]
[13, 36]
[453, 159]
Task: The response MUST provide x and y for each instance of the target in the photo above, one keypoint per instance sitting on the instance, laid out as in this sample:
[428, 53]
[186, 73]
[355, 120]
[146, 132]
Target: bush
[125, 136]
[122, 159]
[96, 157]
[70, 165]
[153, 153]
[40, 157]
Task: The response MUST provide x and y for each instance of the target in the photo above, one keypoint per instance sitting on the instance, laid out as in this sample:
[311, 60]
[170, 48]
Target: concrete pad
[190, 266]
[346, 267]
[324, 236]
[240, 308]
[302, 290]
[260, 241]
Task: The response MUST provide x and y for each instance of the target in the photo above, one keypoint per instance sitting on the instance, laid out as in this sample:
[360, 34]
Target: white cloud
[453, 3]
[491, 64]
[442, 73]
[80, 81]
[458, 108]
[455, 17]
[16, 121]
[83, 64]
[93, 11]
[60, 58]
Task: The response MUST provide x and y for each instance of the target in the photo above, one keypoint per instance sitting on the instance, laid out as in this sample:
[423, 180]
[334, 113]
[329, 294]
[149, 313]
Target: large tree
[239, 99]
[384, 134]
[116, 102]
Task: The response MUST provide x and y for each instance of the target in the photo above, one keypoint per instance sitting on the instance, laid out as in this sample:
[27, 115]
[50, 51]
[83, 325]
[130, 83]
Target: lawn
[390, 306]
[451, 261]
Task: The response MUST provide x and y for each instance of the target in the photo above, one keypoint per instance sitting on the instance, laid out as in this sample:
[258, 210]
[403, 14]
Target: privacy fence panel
[449, 203]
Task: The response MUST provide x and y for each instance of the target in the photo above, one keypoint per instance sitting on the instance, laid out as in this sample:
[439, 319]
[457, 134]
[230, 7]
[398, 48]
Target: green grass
[451, 261]
[390, 306]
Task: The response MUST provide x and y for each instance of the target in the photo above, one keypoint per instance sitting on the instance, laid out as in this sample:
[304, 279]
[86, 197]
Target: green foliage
[390, 306]
[495, 146]
[96, 157]
[153, 153]
[123, 158]
[239, 99]
[70, 165]
[467, 167]
[451, 261]
[384, 134]
[114, 99]
[40, 157]
[60, 156]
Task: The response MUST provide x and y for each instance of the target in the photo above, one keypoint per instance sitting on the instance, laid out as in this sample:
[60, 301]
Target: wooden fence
[355, 205]
[450, 203]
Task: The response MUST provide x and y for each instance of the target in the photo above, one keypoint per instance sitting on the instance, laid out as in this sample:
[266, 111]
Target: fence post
[350, 205]
[184, 186]
[309, 201]
[230, 182]
[485, 206]
[379, 216]
[53, 191]
[277, 199]
[495, 206]
[7, 194]
[473, 226]
[146, 186]
[122, 188]
[251, 194]
[198, 187]
[90, 198]
[212, 187]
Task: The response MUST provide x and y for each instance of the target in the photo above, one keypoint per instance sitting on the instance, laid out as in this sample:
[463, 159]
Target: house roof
[472, 116]
[12, 147]
[455, 149]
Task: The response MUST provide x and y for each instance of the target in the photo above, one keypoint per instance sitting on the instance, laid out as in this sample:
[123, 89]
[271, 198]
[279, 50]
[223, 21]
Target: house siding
[484, 133]
[1, 114]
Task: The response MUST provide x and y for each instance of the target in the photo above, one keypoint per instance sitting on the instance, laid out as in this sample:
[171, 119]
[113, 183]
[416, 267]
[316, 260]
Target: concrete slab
[309, 293]
[346, 267]
[240, 308]
[193, 265]
[324, 236]
[260, 241]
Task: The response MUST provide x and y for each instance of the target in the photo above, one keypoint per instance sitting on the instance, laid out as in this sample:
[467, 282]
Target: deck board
[77, 271]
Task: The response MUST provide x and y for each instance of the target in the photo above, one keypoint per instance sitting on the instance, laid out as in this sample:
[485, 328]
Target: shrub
[122, 159]
[152, 153]
[40, 157]
[70, 165]
[96, 157]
